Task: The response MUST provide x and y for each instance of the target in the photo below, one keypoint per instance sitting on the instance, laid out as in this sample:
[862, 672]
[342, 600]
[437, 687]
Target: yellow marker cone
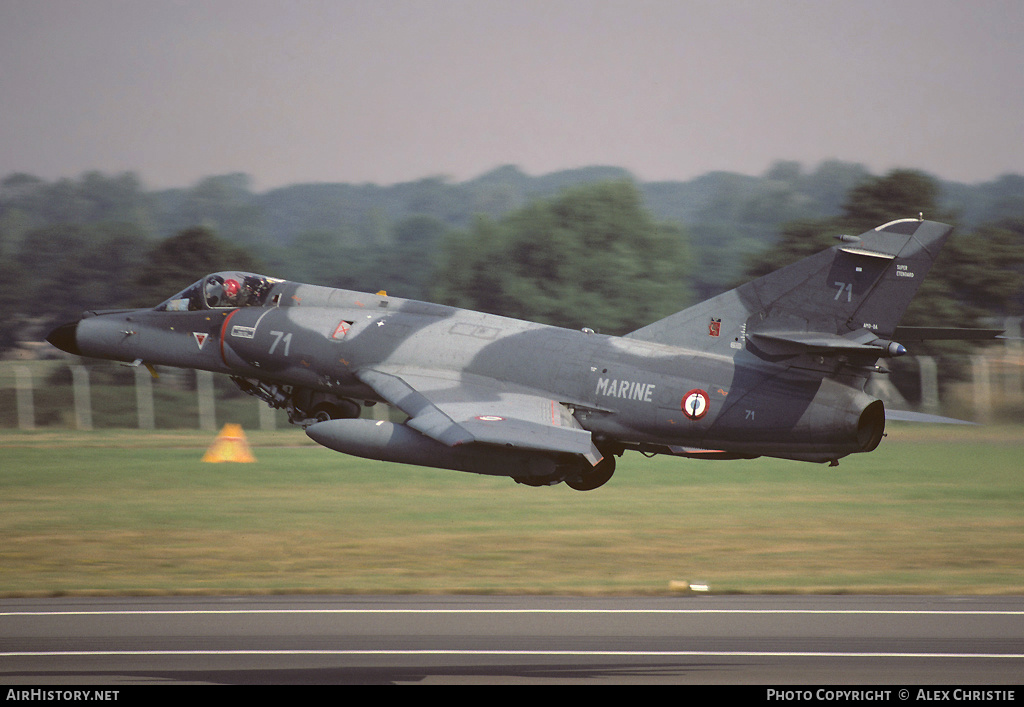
[230, 446]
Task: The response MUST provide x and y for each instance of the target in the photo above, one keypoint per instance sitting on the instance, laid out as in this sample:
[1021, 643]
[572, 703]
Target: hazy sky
[388, 91]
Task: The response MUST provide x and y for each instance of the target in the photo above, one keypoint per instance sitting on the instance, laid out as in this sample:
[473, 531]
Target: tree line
[589, 247]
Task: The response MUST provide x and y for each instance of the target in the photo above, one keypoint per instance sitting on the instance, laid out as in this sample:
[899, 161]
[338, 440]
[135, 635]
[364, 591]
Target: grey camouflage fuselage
[776, 367]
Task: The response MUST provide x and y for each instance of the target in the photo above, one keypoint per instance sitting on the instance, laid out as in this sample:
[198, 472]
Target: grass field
[933, 510]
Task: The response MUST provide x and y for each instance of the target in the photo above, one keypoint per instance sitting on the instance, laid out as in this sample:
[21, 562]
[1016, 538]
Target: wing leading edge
[459, 408]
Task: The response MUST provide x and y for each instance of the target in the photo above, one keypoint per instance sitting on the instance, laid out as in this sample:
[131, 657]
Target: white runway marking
[837, 612]
[643, 654]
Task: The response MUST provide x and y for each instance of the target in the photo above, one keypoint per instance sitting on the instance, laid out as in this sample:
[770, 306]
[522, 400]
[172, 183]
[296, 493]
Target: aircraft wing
[459, 408]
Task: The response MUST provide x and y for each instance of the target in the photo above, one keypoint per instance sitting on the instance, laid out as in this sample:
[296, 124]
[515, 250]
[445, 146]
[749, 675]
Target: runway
[759, 640]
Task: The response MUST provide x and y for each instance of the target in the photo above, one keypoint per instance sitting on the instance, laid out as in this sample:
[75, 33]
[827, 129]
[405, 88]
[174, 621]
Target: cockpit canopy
[222, 290]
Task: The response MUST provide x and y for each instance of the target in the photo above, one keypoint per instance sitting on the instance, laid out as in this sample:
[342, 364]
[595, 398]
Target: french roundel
[695, 404]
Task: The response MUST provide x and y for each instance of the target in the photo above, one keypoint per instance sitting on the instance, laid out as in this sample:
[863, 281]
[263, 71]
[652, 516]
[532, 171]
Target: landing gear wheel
[329, 411]
[591, 478]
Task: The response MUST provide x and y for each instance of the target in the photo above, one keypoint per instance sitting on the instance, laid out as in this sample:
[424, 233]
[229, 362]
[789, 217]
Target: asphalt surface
[694, 639]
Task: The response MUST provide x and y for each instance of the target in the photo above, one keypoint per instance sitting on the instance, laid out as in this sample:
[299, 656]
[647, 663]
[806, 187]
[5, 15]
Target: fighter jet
[776, 367]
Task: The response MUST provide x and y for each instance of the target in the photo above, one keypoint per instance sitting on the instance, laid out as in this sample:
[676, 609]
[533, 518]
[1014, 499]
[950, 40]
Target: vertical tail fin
[857, 290]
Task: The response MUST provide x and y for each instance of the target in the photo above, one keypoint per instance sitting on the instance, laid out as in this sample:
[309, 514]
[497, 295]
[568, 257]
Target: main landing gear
[579, 475]
[592, 477]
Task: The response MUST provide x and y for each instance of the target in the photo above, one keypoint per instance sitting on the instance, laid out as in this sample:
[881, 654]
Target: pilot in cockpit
[224, 290]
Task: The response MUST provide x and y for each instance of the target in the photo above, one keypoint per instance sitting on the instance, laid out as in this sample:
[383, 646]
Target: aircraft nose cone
[64, 338]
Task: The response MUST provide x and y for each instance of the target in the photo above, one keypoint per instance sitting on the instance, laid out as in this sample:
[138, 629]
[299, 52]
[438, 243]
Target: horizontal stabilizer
[925, 333]
[908, 416]
[794, 343]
